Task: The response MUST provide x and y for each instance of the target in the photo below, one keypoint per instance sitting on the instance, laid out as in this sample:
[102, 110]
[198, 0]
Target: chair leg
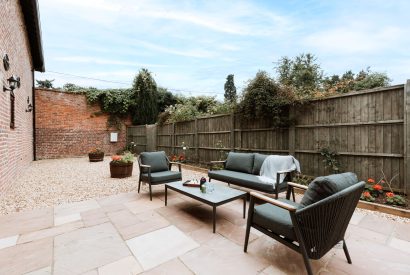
[293, 194]
[150, 192]
[139, 185]
[349, 260]
[248, 224]
[306, 259]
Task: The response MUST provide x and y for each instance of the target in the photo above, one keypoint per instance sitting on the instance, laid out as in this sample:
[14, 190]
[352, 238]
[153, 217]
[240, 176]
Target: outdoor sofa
[243, 169]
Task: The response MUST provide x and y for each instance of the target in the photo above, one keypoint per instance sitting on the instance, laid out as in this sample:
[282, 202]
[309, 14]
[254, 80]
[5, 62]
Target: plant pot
[94, 157]
[121, 170]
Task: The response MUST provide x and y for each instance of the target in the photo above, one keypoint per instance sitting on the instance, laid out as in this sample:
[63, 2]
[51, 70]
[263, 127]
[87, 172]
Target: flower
[181, 158]
[173, 158]
[390, 194]
[366, 194]
[382, 181]
[377, 187]
[95, 150]
[370, 180]
[116, 158]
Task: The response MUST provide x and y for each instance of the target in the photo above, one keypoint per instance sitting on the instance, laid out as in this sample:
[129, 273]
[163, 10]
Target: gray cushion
[164, 176]
[241, 179]
[323, 187]
[240, 162]
[275, 218]
[257, 163]
[157, 161]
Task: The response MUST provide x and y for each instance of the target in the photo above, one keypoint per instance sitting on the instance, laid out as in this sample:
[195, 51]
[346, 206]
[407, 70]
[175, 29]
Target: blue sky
[191, 46]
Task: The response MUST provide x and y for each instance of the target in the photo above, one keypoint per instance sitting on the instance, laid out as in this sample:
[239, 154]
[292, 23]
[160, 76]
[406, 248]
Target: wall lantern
[29, 105]
[14, 82]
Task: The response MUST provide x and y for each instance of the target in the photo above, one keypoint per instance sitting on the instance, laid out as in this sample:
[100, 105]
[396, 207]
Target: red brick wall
[16, 145]
[66, 126]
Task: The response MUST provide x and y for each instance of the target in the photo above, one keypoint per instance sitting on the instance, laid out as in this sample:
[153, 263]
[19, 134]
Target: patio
[128, 234]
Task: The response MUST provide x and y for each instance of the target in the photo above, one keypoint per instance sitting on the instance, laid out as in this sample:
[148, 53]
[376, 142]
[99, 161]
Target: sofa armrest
[277, 203]
[297, 185]
[147, 167]
[177, 163]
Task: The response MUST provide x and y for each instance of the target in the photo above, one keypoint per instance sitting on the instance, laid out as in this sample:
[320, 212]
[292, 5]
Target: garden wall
[66, 126]
[16, 144]
[368, 129]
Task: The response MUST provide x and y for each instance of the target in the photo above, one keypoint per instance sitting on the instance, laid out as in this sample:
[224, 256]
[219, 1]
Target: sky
[191, 46]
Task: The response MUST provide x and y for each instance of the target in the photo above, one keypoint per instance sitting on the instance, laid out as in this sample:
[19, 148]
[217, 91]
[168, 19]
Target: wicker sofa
[243, 169]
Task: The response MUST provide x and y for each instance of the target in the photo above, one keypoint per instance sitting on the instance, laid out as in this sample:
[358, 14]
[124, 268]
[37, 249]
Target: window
[12, 99]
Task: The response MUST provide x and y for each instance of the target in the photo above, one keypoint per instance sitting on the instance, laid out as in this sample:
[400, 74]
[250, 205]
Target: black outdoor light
[14, 82]
[29, 105]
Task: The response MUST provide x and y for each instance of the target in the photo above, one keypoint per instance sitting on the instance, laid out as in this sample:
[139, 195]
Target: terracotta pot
[121, 170]
[94, 157]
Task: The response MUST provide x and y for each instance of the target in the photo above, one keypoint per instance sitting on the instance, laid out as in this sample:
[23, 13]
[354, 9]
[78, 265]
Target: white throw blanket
[273, 164]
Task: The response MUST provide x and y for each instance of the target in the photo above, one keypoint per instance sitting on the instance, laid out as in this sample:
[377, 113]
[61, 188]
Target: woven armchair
[316, 224]
[155, 168]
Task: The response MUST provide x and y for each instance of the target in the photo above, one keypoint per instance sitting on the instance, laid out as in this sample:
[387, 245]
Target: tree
[230, 90]
[46, 83]
[165, 99]
[302, 73]
[264, 98]
[145, 97]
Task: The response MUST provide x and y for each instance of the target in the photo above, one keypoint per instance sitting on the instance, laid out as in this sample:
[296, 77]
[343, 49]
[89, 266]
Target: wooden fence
[370, 130]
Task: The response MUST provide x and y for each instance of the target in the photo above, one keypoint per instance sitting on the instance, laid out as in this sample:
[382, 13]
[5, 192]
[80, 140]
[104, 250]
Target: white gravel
[51, 182]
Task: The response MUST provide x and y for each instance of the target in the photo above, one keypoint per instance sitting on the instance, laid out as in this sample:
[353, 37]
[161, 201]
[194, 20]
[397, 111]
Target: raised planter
[95, 157]
[121, 170]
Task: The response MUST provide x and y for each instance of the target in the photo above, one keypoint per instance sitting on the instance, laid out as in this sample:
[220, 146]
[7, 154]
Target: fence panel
[366, 129]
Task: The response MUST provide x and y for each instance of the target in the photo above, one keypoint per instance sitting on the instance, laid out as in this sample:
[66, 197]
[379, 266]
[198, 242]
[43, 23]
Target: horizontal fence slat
[397, 121]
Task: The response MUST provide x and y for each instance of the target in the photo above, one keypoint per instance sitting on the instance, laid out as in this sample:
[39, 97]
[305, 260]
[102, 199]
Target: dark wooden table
[219, 196]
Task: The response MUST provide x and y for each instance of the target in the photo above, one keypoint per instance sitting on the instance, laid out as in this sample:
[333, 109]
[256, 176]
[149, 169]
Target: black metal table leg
[166, 194]
[244, 206]
[214, 217]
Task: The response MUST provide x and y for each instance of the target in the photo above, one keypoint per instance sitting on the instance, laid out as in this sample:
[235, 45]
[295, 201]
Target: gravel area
[51, 182]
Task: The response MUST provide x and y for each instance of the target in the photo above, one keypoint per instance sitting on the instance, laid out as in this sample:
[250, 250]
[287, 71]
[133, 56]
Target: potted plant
[121, 165]
[95, 155]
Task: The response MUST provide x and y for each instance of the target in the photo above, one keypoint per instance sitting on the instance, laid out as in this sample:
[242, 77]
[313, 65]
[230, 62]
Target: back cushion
[257, 163]
[240, 162]
[157, 161]
[323, 187]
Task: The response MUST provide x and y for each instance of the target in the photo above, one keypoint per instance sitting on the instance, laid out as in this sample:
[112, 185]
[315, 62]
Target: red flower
[366, 194]
[390, 194]
[377, 187]
[181, 157]
[370, 180]
[173, 158]
[116, 157]
[382, 181]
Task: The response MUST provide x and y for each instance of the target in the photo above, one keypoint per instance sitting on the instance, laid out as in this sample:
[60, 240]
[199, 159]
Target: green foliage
[396, 200]
[302, 179]
[264, 98]
[145, 98]
[302, 73]
[192, 107]
[365, 79]
[330, 160]
[166, 99]
[114, 101]
[46, 83]
[230, 89]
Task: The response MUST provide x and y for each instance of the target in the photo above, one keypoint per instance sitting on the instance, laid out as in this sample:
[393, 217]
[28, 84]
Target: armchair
[155, 168]
[316, 224]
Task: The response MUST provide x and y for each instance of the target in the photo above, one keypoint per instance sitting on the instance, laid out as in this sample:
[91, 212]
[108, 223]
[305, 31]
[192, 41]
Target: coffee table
[219, 196]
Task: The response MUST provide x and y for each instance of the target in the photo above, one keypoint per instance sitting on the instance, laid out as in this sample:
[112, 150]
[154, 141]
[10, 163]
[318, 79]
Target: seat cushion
[257, 163]
[323, 187]
[157, 161]
[164, 176]
[275, 219]
[240, 162]
[241, 179]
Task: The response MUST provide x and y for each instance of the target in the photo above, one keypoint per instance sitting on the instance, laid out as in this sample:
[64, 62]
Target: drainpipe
[33, 99]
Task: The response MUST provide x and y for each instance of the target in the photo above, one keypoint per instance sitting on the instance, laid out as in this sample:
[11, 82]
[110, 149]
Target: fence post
[406, 132]
[196, 141]
[173, 139]
[233, 131]
[291, 132]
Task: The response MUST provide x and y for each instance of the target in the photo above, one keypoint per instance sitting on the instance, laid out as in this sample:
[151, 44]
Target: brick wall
[66, 126]
[16, 145]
